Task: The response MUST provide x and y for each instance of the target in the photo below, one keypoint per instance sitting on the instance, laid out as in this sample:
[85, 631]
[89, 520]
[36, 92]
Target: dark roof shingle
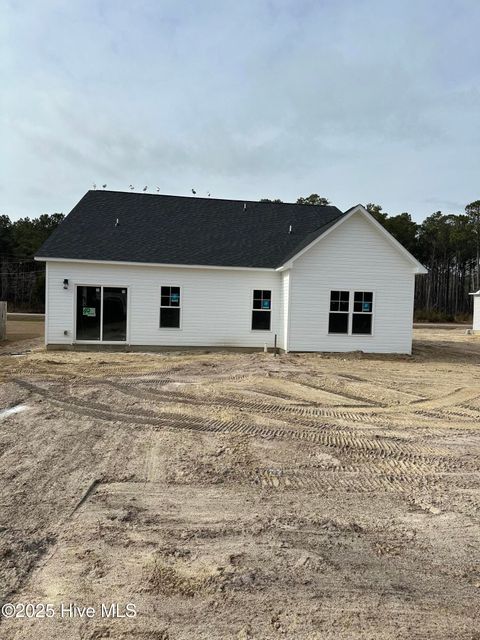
[181, 230]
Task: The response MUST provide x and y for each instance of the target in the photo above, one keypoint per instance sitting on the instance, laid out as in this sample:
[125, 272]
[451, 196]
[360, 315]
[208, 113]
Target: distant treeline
[22, 280]
[448, 245]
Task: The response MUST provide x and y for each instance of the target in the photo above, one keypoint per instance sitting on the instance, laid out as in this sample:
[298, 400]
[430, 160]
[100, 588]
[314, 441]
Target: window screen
[362, 312]
[170, 307]
[339, 307]
[261, 310]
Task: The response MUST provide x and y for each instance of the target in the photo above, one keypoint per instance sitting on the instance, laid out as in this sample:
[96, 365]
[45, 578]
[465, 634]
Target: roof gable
[358, 209]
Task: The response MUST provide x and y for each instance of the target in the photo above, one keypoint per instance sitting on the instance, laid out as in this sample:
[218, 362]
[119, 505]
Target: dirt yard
[23, 328]
[242, 496]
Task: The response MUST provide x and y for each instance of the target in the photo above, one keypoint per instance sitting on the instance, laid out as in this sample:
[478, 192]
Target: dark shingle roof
[181, 230]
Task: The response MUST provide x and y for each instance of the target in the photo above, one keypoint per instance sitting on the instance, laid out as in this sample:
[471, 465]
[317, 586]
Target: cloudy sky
[357, 100]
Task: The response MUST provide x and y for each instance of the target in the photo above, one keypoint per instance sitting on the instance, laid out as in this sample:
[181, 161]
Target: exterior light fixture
[65, 283]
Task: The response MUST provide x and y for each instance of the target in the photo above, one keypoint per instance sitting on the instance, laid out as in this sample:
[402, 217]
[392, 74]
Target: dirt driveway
[241, 495]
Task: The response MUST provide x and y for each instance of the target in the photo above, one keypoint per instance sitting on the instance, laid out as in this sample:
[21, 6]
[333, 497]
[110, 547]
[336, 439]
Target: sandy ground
[23, 333]
[241, 495]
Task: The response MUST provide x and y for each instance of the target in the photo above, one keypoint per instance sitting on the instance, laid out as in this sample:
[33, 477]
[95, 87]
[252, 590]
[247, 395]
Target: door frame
[101, 341]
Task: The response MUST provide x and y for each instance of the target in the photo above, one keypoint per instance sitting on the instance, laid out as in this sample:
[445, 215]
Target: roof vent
[289, 228]
[244, 206]
[117, 222]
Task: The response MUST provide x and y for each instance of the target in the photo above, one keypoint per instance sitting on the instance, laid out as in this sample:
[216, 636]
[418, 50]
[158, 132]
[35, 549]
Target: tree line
[22, 280]
[449, 247]
[447, 244]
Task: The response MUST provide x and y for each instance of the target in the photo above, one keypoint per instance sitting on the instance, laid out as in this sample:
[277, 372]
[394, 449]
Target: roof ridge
[208, 199]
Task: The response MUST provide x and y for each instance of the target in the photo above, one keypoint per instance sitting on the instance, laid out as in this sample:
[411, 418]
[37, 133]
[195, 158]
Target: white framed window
[351, 312]
[362, 316]
[338, 319]
[261, 310]
[170, 307]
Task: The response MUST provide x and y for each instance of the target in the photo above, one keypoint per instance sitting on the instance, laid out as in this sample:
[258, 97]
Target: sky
[356, 100]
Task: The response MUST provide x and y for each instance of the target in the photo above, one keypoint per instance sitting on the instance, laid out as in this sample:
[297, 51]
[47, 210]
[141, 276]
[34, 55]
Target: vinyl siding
[355, 256]
[216, 305]
[285, 298]
[476, 313]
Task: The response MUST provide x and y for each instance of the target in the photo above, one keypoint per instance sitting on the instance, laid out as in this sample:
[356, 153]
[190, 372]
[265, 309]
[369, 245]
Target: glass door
[88, 313]
[114, 323]
[101, 314]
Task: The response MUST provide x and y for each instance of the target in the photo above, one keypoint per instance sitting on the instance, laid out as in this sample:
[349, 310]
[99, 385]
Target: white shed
[476, 311]
[142, 271]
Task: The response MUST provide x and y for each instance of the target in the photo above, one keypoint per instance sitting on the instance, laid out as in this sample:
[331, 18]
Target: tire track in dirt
[332, 390]
[260, 406]
[151, 459]
[91, 409]
[292, 399]
[449, 414]
[154, 379]
[414, 466]
[305, 408]
[375, 384]
[455, 397]
[462, 411]
[364, 415]
[379, 466]
[379, 447]
[311, 413]
[473, 404]
[296, 401]
[98, 370]
[342, 440]
[334, 481]
[177, 397]
[350, 479]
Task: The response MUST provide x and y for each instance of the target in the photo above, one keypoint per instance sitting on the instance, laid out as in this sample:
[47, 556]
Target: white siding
[476, 313]
[354, 256]
[285, 297]
[216, 304]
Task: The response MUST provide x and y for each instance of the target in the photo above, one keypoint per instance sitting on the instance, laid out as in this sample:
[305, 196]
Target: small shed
[476, 311]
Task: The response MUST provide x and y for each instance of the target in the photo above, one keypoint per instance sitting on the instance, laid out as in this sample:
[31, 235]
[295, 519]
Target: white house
[476, 311]
[141, 271]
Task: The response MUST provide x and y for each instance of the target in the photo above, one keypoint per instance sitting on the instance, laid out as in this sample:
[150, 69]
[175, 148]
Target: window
[339, 307]
[362, 312]
[261, 311]
[350, 319]
[170, 308]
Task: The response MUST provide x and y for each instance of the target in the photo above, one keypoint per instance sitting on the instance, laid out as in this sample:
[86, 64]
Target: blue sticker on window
[175, 297]
[367, 306]
[265, 304]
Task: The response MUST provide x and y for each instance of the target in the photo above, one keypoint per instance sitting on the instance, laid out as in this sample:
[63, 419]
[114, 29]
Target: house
[476, 311]
[143, 271]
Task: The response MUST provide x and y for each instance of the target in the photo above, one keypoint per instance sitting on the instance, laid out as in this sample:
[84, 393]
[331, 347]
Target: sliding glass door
[114, 319]
[88, 313]
[101, 314]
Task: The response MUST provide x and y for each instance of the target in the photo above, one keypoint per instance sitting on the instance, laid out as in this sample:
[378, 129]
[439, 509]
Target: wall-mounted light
[65, 283]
